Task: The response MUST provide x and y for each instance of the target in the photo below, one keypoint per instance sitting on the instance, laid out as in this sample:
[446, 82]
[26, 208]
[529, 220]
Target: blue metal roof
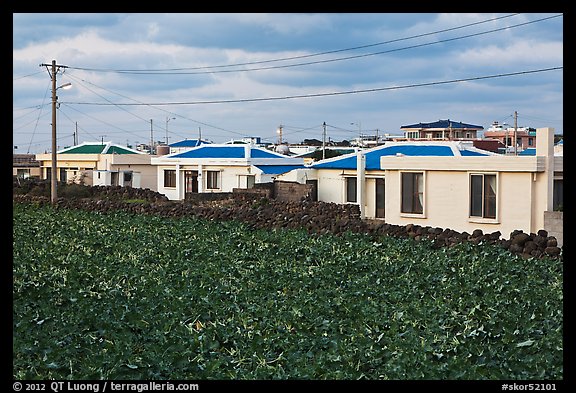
[277, 169]
[444, 124]
[349, 161]
[189, 143]
[207, 151]
[226, 151]
[467, 152]
[262, 153]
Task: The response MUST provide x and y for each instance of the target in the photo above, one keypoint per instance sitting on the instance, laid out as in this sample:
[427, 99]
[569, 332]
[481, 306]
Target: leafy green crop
[120, 296]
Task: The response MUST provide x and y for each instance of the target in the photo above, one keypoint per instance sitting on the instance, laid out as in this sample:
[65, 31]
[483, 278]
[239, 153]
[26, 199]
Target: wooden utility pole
[52, 71]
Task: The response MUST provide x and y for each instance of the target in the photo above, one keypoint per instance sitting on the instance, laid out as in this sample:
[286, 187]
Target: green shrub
[73, 191]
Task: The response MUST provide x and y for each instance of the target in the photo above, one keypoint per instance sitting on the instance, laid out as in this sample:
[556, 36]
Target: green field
[119, 296]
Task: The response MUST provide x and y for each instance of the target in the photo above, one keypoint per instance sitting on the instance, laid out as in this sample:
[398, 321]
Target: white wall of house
[144, 174]
[229, 177]
[101, 178]
[447, 202]
[118, 177]
[370, 197]
[300, 175]
[331, 185]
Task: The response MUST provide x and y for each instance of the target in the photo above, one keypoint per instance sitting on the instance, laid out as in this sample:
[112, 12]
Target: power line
[326, 94]
[177, 71]
[144, 104]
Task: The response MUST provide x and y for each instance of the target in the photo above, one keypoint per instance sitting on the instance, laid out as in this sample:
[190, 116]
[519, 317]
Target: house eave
[467, 163]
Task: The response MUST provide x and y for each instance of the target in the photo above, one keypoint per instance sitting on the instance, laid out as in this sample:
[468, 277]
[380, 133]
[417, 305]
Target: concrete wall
[554, 224]
[291, 191]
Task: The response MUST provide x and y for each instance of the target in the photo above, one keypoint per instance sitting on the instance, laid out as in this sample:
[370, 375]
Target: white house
[445, 184]
[211, 168]
[337, 179]
[492, 193]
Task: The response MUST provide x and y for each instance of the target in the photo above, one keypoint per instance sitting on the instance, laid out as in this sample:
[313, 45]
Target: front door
[314, 191]
[190, 183]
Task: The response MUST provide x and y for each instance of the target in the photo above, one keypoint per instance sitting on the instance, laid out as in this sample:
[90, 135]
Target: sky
[138, 77]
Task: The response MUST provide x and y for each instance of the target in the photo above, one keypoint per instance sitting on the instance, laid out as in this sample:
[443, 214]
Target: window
[169, 178]
[351, 189]
[558, 195]
[63, 175]
[413, 192]
[483, 196]
[246, 181]
[380, 198]
[212, 180]
[23, 173]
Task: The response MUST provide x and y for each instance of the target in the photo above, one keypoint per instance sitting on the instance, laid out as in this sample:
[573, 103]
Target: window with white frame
[412, 192]
[483, 195]
[212, 180]
[169, 178]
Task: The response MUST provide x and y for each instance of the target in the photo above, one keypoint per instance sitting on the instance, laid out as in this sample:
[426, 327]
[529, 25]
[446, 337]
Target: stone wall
[314, 217]
[255, 207]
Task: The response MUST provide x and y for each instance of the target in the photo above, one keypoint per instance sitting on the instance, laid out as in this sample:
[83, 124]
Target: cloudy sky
[227, 76]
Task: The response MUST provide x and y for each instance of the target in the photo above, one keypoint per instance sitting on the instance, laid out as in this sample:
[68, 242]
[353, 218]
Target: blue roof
[444, 124]
[277, 169]
[531, 151]
[189, 143]
[373, 156]
[226, 151]
[467, 152]
[262, 153]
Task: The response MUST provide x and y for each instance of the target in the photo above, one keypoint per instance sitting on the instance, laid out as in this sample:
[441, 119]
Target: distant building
[101, 163]
[25, 166]
[441, 130]
[521, 137]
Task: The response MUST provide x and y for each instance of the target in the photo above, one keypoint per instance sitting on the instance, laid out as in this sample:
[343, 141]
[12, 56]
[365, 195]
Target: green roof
[98, 148]
[85, 149]
[118, 150]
